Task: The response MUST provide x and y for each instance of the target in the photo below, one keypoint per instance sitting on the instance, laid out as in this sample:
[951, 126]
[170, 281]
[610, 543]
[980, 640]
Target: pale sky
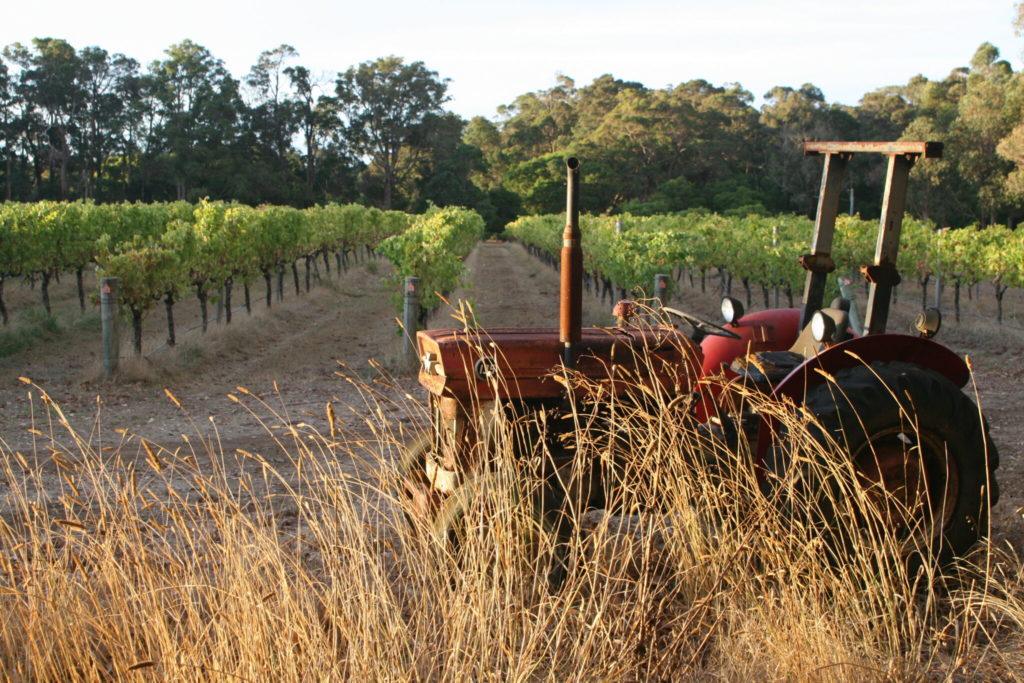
[493, 52]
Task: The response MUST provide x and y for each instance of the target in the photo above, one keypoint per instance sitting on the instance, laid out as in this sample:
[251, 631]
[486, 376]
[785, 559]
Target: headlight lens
[430, 363]
[823, 327]
[732, 310]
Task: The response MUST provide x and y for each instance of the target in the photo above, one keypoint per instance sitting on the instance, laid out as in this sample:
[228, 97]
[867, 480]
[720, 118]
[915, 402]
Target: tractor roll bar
[929, 150]
[881, 274]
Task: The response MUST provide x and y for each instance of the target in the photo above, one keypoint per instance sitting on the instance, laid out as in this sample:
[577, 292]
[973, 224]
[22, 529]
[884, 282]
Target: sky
[493, 52]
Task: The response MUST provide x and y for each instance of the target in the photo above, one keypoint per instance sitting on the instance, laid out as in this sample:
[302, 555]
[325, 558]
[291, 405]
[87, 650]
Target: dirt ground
[290, 355]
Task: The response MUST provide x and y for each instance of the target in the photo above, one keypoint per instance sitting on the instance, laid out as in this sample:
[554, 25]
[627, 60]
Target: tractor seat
[771, 367]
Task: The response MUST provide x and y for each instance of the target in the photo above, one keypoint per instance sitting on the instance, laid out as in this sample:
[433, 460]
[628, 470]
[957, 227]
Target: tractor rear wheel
[920, 450]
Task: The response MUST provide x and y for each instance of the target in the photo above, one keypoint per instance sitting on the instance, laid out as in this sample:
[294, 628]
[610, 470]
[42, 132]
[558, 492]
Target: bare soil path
[287, 354]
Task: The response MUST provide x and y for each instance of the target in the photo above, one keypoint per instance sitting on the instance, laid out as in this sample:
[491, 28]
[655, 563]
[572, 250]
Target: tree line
[701, 146]
[84, 123]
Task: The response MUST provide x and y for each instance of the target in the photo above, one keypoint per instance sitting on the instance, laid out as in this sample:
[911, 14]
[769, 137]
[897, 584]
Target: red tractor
[894, 401]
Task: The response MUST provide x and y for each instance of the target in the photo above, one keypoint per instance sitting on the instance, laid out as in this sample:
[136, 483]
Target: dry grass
[129, 558]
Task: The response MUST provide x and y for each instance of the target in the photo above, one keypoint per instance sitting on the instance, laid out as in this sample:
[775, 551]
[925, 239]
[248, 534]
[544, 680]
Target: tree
[597, 100]
[1011, 148]
[317, 117]
[987, 112]
[537, 123]
[272, 121]
[445, 163]
[385, 102]
[50, 80]
[937, 191]
[646, 139]
[104, 119]
[792, 116]
[140, 144]
[485, 136]
[7, 128]
[198, 107]
[540, 183]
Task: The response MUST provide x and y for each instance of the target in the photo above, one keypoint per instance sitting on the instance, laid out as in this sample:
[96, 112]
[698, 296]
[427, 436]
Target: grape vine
[761, 252]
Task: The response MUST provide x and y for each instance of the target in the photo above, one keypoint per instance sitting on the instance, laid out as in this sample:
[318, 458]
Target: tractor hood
[527, 363]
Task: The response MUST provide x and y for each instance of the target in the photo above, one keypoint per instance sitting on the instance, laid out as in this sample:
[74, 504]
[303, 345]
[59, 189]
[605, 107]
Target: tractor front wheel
[418, 497]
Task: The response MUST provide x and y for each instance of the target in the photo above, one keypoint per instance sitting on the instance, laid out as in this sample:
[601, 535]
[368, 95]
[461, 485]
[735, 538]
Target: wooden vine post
[410, 317]
[110, 316]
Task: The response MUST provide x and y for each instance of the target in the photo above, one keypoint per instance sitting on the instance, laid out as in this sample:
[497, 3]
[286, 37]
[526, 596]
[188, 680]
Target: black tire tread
[860, 402]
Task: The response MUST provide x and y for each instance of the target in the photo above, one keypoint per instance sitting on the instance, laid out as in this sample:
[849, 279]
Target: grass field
[134, 559]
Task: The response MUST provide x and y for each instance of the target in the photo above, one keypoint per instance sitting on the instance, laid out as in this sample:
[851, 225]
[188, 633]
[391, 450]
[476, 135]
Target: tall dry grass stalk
[186, 562]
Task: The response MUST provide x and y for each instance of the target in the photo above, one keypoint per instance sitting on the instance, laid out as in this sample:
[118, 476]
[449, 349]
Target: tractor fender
[771, 330]
[861, 351]
[867, 350]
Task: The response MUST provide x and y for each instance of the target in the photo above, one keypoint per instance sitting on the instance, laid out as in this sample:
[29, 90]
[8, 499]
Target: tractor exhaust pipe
[571, 293]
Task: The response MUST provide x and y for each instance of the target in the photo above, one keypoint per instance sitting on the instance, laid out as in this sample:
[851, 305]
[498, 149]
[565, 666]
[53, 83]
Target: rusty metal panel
[889, 347]
[527, 362]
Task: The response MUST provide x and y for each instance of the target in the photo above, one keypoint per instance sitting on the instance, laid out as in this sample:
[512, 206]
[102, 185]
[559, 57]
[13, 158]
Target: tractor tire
[521, 534]
[550, 509]
[418, 499]
[910, 432]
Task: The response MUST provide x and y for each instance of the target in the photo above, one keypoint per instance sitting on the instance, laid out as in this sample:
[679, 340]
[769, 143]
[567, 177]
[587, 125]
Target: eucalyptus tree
[597, 99]
[272, 121]
[50, 79]
[937, 190]
[105, 80]
[987, 112]
[539, 123]
[7, 129]
[316, 115]
[198, 105]
[445, 164]
[384, 103]
[140, 147]
[647, 137]
[791, 116]
[1011, 148]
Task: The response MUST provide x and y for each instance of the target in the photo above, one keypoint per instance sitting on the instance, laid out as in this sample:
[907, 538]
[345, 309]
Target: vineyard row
[160, 252]
[763, 252]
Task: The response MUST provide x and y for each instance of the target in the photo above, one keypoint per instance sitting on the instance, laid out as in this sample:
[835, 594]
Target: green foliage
[539, 182]
[433, 249]
[765, 250]
[83, 123]
[386, 102]
[160, 250]
[147, 271]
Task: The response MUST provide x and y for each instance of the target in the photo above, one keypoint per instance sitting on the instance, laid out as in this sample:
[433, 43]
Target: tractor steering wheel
[702, 326]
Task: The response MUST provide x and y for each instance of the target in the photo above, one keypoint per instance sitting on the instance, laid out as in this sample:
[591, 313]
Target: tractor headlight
[823, 327]
[732, 310]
